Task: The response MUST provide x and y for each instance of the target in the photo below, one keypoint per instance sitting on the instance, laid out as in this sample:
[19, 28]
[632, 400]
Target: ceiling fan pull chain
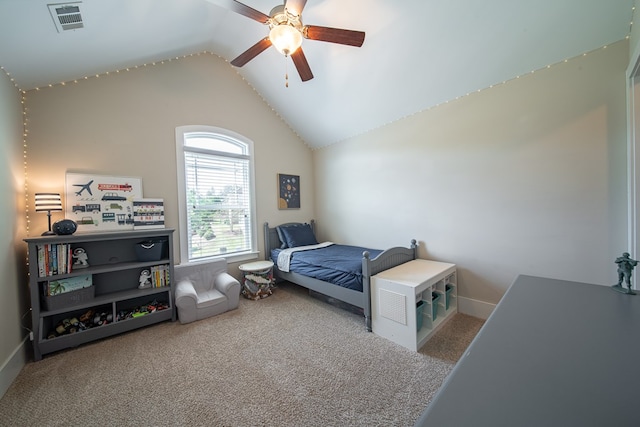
[286, 71]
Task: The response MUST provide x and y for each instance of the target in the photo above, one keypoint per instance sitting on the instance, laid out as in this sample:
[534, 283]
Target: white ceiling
[417, 53]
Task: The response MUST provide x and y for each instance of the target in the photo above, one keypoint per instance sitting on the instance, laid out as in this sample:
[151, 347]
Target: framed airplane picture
[101, 203]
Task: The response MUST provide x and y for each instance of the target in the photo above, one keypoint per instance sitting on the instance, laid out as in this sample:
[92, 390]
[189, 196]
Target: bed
[305, 270]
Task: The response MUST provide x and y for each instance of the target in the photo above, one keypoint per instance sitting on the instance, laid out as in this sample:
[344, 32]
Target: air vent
[393, 306]
[66, 16]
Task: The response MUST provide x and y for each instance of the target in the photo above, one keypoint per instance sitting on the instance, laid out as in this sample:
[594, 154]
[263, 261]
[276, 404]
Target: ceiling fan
[287, 31]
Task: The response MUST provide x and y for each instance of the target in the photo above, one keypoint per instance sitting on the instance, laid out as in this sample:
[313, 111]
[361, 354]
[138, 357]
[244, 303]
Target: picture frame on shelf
[148, 213]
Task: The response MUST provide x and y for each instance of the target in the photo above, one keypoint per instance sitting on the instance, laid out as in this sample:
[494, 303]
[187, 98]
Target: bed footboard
[386, 260]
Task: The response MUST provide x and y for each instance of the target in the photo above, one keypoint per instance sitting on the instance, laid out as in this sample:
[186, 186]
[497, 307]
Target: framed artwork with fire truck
[100, 202]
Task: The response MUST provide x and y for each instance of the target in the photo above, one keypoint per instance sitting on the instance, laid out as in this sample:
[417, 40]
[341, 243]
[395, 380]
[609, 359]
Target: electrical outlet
[31, 335]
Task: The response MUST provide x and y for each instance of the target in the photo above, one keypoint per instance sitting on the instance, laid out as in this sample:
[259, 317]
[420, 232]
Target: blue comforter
[337, 264]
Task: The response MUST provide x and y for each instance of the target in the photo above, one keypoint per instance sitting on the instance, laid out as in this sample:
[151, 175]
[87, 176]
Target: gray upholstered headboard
[271, 239]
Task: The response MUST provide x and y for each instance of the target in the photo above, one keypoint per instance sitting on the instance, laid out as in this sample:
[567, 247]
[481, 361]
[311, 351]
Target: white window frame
[181, 131]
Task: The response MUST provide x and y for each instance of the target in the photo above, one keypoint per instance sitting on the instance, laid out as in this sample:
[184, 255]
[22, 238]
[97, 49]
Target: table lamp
[48, 202]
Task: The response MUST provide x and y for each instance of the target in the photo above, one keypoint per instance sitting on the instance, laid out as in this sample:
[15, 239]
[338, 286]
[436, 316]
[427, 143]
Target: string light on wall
[11, 79]
[566, 60]
[491, 86]
[106, 73]
[23, 101]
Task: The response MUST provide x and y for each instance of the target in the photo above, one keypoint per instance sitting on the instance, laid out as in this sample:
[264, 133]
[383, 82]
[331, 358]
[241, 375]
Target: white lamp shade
[285, 38]
[47, 202]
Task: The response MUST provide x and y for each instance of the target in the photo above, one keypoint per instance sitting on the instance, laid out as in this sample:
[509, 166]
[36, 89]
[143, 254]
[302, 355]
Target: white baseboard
[475, 308]
[12, 366]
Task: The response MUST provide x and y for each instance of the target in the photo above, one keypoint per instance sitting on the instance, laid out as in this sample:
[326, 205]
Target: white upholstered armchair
[204, 290]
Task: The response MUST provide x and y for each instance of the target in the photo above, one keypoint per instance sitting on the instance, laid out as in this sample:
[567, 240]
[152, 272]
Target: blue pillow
[299, 236]
[283, 240]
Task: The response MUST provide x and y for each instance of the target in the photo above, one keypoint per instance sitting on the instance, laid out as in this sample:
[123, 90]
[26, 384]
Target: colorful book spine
[159, 276]
[41, 263]
[54, 259]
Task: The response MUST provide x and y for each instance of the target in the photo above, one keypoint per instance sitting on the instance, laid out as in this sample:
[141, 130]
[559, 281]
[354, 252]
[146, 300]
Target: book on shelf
[159, 276]
[68, 284]
[54, 259]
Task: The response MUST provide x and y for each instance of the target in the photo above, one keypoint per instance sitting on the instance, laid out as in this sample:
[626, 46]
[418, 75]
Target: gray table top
[553, 353]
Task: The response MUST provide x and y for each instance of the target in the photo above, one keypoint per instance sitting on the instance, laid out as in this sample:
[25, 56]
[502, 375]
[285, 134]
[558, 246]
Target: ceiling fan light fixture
[286, 32]
[285, 38]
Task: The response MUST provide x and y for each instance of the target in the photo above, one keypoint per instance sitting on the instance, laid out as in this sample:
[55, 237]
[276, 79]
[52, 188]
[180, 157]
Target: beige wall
[528, 177]
[124, 124]
[13, 287]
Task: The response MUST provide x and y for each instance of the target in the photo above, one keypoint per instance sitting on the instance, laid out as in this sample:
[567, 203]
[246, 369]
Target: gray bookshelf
[115, 260]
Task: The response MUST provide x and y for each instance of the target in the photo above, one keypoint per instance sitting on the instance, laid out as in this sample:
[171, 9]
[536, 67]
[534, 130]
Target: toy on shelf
[142, 310]
[625, 270]
[81, 258]
[145, 279]
[89, 319]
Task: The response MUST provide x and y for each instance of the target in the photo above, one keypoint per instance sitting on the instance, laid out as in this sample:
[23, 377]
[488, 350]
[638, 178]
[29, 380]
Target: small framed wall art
[288, 191]
[148, 213]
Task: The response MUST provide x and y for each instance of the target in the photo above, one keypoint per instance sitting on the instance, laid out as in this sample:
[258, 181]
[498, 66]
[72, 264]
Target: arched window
[215, 194]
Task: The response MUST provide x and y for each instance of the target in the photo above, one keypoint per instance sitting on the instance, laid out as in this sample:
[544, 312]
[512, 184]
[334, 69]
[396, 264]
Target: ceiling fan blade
[295, 6]
[251, 53]
[302, 65]
[334, 35]
[245, 10]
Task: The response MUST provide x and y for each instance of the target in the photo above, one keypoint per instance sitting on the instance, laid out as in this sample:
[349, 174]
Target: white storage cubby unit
[417, 293]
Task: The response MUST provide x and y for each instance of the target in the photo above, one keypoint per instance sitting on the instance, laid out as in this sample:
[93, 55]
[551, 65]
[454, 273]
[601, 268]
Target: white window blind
[218, 196]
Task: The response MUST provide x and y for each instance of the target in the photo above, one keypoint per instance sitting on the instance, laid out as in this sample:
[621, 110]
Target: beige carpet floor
[287, 360]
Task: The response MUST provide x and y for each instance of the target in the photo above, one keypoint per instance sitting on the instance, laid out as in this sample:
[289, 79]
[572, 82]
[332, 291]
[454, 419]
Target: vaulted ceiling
[416, 54]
